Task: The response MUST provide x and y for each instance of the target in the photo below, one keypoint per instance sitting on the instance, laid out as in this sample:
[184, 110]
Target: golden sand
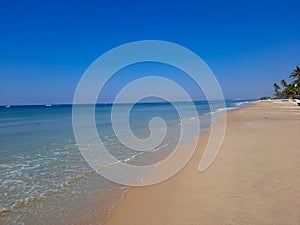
[254, 180]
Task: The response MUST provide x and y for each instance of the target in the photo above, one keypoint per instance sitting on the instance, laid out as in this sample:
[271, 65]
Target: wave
[226, 109]
[241, 103]
[26, 201]
[20, 203]
[220, 110]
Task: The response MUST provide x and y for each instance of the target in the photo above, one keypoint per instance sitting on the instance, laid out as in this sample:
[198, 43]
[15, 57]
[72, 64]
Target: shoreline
[191, 197]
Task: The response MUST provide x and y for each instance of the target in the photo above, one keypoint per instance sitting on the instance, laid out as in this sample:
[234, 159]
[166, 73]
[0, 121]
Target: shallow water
[44, 178]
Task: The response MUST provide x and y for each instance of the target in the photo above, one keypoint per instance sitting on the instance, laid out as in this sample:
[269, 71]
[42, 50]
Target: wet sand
[254, 180]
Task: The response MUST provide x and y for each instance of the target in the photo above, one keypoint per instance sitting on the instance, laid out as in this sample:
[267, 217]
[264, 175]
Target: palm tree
[295, 74]
[283, 83]
[289, 91]
[276, 89]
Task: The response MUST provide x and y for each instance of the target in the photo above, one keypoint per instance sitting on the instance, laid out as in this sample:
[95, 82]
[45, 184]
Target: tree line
[289, 90]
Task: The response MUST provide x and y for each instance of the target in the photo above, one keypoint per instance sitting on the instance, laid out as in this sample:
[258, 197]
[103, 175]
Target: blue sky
[45, 46]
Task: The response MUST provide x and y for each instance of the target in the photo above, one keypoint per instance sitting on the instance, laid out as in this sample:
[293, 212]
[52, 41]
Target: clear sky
[45, 46]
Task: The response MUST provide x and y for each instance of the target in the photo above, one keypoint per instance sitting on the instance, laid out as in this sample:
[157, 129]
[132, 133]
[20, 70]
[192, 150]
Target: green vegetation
[291, 90]
[265, 98]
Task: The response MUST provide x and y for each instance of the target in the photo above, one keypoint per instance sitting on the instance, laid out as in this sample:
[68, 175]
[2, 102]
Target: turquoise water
[44, 178]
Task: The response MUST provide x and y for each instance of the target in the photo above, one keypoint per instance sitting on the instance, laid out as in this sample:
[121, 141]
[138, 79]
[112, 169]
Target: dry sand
[254, 180]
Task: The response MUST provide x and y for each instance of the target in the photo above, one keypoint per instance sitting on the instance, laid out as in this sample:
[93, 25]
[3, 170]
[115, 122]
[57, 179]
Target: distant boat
[48, 105]
[7, 106]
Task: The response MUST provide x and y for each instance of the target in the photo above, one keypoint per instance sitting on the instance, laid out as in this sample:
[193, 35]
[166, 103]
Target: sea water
[45, 179]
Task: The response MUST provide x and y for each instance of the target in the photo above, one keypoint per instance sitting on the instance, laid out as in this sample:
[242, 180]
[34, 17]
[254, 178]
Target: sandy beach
[254, 180]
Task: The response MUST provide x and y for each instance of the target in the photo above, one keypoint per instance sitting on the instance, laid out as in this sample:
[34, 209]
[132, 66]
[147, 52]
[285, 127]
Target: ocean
[44, 177]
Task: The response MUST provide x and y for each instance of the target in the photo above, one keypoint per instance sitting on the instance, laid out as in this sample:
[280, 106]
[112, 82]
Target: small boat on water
[48, 105]
[7, 106]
